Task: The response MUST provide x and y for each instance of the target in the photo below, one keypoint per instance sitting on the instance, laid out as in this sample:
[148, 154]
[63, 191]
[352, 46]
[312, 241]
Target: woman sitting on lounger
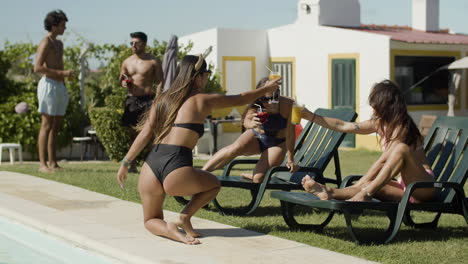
[175, 121]
[271, 135]
[403, 154]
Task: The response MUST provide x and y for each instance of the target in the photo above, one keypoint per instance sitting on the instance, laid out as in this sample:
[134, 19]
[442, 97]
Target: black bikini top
[274, 123]
[199, 128]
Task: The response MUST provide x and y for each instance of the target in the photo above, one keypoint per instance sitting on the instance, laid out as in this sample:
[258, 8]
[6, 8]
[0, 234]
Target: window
[411, 69]
[285, 69]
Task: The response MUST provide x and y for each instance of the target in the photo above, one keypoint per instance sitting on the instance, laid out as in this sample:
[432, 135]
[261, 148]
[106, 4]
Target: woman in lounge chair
[175, 121]
[402, 145]
[270, 134]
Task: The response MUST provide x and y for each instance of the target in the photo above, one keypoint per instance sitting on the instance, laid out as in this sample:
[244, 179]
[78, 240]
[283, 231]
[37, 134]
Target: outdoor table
[214, 129]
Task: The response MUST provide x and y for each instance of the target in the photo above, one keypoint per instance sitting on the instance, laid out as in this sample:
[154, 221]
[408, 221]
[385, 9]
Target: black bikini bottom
[267, 141]
[163, 159]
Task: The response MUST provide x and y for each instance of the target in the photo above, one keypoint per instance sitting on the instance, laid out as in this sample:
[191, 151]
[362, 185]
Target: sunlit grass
[446, 244]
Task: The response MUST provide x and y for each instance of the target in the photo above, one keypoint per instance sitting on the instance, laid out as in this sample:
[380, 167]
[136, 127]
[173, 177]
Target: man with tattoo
[140, 73]
[51, 91]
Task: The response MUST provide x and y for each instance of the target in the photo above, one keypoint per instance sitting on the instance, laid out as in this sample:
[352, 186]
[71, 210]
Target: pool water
[20, 244]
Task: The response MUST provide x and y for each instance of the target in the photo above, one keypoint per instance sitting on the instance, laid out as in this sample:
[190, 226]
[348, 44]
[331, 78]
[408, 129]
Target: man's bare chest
[141, 68]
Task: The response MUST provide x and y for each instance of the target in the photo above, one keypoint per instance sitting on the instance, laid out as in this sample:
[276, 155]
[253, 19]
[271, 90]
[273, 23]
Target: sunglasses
[135, 42]
[266, 98]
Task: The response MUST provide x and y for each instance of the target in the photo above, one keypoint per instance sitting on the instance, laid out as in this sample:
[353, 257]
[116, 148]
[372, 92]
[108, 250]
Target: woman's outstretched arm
[365, 127]
[143, 138]
[213, 101]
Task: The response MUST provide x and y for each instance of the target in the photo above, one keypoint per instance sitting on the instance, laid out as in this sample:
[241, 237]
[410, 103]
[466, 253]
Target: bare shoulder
[208, 99]
[45, 42]
[128, 59]
[155, 60]
[286, 100]
[208, 96]
[286, 104]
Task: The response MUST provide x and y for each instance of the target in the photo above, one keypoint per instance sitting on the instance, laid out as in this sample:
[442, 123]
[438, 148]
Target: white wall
[236, 43]
[238, 76]
[311, 46]
[324, 12]
[245, 43]
[201, 41]
[425, 15]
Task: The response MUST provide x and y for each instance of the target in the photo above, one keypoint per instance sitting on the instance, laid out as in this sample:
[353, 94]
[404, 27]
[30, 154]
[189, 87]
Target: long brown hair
[260, 84]
[168, 103]
[391, 114]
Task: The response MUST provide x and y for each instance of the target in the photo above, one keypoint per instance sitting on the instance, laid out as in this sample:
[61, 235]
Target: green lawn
[447, 244]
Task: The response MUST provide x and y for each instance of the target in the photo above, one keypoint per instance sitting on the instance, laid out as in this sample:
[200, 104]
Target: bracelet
[125, 162]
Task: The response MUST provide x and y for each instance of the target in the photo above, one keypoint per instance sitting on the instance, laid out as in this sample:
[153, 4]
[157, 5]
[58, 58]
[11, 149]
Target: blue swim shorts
[52, 96]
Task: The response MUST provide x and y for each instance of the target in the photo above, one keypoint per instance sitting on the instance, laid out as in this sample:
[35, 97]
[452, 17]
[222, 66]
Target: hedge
[114, 137]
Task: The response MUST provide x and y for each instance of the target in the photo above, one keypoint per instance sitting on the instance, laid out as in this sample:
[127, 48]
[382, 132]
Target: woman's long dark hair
[260, 84]
[391, 114]
[168, 103]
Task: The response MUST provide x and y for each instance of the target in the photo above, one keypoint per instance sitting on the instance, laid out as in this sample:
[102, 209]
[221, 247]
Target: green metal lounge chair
[314, 149]
[446, 149]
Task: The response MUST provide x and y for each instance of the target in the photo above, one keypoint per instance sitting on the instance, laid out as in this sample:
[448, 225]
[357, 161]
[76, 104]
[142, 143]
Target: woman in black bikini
[175, 120]
[272, 139]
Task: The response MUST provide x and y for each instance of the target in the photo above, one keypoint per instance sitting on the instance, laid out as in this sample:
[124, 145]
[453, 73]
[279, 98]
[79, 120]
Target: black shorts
[163, 159]
[135, 107]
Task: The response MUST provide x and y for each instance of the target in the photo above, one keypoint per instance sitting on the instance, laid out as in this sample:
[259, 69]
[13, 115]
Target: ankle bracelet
[367, 193]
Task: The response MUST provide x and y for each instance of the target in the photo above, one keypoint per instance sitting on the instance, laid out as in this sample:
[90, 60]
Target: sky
[110, 21]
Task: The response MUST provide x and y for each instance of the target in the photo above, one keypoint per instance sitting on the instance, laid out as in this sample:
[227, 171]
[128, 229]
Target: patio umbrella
[455, 68]
[169, 65]
[459, 64]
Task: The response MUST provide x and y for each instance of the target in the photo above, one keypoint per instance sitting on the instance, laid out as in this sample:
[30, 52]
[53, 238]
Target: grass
[446, 244]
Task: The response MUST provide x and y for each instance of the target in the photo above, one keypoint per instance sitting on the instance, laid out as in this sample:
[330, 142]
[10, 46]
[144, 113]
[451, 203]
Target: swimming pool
[20, 244]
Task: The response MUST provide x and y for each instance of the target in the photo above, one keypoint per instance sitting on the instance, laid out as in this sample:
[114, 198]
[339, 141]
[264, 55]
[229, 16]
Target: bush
[20, 128]
[114, 137]
[19, 84]
[115, 102]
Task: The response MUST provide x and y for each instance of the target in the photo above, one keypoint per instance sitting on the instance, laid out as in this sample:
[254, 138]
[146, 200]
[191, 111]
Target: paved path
[114, 228]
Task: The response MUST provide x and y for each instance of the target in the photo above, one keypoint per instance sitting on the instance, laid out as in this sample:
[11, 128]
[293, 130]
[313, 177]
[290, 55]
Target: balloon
[21, 108]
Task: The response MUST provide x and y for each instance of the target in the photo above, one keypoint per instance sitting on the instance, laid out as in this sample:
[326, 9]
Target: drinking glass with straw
[273, 76]
[262, 115]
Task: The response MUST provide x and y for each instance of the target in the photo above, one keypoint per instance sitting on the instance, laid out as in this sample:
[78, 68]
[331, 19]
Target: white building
[329, 59]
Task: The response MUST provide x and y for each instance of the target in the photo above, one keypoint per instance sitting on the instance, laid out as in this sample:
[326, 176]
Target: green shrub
[20, 128]
[115, 102]
[18, 84]
[114, 137]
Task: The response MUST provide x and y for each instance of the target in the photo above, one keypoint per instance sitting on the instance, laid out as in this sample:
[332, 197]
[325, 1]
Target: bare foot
[45, 170]
[247, 175]
[174, 233]
[56, 167]
[360, 197]
[315, 188]
[186, 225]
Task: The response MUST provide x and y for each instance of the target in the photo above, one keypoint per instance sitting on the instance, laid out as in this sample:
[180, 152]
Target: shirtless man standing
[140, 74]
[51, 91]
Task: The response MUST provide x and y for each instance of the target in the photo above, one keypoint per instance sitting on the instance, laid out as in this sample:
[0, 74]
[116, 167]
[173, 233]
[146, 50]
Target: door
[344, 90]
